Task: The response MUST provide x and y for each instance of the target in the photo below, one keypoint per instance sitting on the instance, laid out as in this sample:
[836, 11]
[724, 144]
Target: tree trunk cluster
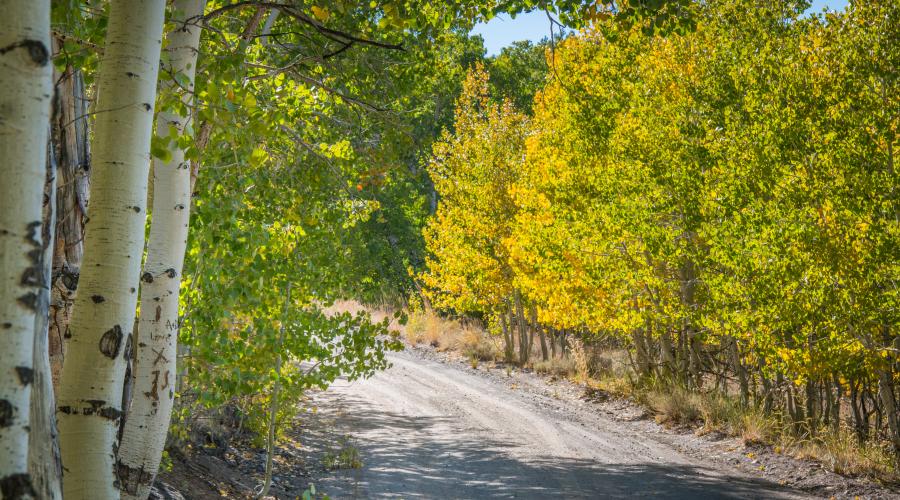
[73, 211]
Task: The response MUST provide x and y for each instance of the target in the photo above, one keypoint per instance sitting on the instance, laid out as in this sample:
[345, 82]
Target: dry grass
[558, 367]
[841, 452]
[377, 314]
[756, 428]
[580, 357]
[674, 406]
[444, 334]
[610, 371]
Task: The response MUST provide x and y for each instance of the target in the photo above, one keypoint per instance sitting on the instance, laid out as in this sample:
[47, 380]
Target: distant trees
[473, 170]
[720, 201]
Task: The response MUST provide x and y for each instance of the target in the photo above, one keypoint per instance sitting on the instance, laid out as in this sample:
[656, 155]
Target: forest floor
[432, 426]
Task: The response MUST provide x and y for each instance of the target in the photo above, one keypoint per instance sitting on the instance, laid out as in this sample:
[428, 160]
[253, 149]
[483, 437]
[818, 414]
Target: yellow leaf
[320, 13]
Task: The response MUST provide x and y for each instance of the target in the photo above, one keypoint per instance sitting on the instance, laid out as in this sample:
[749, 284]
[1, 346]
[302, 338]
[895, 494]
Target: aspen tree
[24, 113]
[44, 463]
[90, 396]
[148, 418]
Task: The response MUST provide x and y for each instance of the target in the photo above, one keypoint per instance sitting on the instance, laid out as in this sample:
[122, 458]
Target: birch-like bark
[147, 422]
[90, 396]
[25, 91]
[44, 462]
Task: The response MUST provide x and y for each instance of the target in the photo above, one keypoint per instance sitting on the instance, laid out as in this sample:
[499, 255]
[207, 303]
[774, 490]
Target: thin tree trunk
[273, 406]
[147, 421]
[72, 151]
[44, 462]
[861, 426]
[642, 359]
[524, 348]
[25, 77]
[541, 335]
[836, 404]
[91, 385]
[667, 357]
[508, 347]
[739, 369]
[886, 394]
[544, 354]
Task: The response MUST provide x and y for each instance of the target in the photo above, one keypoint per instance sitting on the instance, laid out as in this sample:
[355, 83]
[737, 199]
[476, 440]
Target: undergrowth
[672, 405]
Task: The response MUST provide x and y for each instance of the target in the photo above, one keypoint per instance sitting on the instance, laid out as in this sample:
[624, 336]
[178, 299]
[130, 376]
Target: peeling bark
[44, 461]
[71, 149]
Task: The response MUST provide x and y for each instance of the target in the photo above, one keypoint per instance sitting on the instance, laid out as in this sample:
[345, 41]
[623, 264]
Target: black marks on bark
[7, 326]
[127, 389]
[147, 106]
[131, 478]
[170, 272]
[98, 407]
[67, 334]
[133, 289]
[33, 275]
[17, 486]
[129, 74]
[136, 209]
[110, 413]
[37, 51]
[111, 342]
[179, 207]
[69, 278]
[97, 299]
[31, 236]
[26, 374]
[158, 312]
[96, 404]
[94, 407]
[129, 345]
[147, 278]
[7, 412]
[29, 300]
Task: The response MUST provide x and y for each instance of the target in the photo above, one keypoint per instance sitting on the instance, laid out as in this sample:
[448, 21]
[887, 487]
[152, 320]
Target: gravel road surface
[426, 429]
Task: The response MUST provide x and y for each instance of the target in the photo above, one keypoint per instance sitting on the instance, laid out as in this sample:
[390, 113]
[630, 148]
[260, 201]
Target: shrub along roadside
[607, 370]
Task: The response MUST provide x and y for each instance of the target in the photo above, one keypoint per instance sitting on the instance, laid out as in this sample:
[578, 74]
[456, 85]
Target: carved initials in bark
[153, 394]
[159, 357]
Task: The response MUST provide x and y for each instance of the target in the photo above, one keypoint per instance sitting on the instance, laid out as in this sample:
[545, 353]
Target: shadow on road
[408, 456]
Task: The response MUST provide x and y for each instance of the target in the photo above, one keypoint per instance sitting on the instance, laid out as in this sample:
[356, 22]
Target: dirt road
[426, 429]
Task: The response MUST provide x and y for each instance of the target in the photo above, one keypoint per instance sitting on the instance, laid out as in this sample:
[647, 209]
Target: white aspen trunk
[90, 394]
[25, 91]
[44, 462]
[147, 421]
